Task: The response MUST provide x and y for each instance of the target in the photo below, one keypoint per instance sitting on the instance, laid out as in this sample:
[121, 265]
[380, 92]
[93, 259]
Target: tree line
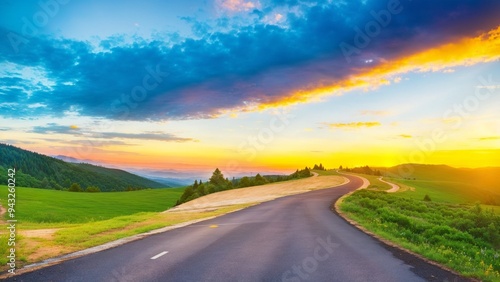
[362, 169]
[218, 182]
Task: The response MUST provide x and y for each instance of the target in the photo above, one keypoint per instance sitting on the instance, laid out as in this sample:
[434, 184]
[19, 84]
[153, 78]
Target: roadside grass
[465, 238]
[326, 172]
[44, 207]
[96, 233]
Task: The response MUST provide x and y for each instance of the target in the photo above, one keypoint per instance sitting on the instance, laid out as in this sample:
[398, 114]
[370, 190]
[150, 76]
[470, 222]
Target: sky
[252, 85]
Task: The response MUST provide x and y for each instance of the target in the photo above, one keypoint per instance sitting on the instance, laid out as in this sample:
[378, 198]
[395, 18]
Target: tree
[45, 183]
[75, 187]
[217, 178]
[92, 189]
[260, 180]
[244, 182]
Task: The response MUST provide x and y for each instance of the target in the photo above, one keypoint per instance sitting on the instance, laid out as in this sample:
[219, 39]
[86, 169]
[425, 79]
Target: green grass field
[465, 238]
[451, 185]
[439, 191]
[326, 172]
[51, 206]
[452, 229]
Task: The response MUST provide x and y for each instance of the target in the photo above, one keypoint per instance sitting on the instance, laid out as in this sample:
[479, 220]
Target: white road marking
[159, 255]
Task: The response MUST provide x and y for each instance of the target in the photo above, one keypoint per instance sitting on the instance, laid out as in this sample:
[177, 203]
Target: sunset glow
[252, 86]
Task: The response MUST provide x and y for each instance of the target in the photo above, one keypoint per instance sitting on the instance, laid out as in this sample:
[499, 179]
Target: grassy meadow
[42, 206]
[457, 227]
[465, 238]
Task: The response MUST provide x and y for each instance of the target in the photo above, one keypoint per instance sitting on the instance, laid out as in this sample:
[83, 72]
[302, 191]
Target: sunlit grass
[52, 206]
[463, 237]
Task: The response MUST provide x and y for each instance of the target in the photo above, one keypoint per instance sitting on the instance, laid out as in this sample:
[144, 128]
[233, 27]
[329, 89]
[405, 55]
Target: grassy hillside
[52, 206]
[448, 184]
[40, 171]
[450, 228]
[465, 238]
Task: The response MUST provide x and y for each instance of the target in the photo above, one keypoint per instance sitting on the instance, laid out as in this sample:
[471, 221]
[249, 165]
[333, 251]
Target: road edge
[335, 207]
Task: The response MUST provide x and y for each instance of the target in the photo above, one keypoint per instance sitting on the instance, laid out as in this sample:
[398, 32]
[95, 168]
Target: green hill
[40, 171]
[449, 183]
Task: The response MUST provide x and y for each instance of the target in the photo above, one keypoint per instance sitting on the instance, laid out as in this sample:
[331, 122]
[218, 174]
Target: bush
[75, 187]
[92, 189]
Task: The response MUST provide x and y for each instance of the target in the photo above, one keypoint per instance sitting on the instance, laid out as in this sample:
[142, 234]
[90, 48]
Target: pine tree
[217, 178]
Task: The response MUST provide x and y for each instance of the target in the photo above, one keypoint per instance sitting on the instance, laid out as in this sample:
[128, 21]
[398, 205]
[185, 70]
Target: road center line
[159, 255]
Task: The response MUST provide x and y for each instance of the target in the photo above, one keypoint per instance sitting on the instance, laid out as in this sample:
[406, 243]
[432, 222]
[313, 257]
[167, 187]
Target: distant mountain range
[40, 171]
[171, 178]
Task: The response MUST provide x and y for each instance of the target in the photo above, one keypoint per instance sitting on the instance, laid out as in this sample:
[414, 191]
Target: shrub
[75, 187]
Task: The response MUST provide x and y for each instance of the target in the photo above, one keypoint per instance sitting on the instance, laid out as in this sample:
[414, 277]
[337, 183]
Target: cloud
[489, 138]
[405, 136]
[490, 87]
[238, 5]
[53, 128]
[358, 124]
[374, 113]
[100, 143]
[243, 67]
[157, 136]
[17, 142]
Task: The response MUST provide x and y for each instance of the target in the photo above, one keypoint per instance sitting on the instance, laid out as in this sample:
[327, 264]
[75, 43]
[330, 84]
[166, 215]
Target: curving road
[296, 238]
[394, 187]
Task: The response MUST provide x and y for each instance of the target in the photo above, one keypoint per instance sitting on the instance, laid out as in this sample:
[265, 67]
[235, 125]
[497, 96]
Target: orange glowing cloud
[462, 52]
[238, 5]
[354, 124]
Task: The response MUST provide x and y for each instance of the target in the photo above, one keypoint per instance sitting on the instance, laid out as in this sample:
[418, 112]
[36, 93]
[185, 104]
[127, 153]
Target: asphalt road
[296, 238]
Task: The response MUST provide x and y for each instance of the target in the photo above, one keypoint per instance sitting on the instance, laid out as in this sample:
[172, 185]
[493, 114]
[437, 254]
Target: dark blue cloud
[54, 128]
[198, 78]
